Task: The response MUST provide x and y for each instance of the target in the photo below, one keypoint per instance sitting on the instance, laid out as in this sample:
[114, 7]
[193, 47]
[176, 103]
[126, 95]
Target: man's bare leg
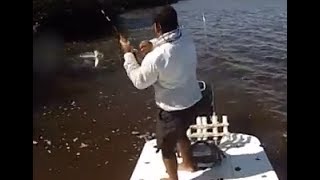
[170, 159]
[172, 167]
[184, 146]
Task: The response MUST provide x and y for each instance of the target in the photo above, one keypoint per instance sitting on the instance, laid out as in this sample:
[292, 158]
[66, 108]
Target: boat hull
[245, 159]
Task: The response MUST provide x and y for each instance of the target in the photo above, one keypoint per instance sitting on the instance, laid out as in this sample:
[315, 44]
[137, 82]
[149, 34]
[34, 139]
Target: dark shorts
[172, 125]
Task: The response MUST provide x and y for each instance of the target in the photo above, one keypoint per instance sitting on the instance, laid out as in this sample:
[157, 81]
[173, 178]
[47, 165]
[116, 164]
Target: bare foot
[167, 179]
[183, 167]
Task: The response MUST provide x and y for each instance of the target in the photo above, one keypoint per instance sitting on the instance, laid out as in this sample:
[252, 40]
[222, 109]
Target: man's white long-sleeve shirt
[171, 69]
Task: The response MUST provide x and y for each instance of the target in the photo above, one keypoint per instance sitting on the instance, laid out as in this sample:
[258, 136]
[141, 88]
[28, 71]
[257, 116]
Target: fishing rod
[96, 54]
[121, 37]
[109, 20]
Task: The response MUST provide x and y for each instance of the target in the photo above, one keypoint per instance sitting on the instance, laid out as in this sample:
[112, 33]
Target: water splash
[95, 54]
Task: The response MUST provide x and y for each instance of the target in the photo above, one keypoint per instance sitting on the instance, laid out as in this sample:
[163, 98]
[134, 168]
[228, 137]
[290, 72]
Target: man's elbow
[139, 86]
[141, 82]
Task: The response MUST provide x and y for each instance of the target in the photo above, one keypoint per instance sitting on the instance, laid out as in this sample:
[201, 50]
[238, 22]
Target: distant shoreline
[81, 20]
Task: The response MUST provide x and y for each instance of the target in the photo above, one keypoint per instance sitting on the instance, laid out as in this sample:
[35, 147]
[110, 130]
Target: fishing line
[207, 51]
[205, 31]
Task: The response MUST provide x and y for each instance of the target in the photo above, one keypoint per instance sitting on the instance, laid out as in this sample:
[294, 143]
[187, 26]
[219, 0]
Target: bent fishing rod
[118, 34]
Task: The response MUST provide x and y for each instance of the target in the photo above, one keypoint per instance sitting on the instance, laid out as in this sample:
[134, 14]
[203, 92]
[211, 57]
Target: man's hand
[145, 47]
[125, 45]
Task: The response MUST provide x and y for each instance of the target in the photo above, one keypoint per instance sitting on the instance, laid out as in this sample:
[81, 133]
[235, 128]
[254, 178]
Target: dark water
[243, 52]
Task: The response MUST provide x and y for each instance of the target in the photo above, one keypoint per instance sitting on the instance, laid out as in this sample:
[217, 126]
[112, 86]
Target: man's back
[177, 87]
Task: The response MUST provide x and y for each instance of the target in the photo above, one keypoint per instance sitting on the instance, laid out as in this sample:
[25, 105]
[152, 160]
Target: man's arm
[141, 76]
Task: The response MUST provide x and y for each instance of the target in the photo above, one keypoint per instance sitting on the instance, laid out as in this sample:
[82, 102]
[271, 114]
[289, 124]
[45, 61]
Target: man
[171, 68]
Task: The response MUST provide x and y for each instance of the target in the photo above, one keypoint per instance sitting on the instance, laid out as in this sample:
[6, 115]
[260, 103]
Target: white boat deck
[245, 159]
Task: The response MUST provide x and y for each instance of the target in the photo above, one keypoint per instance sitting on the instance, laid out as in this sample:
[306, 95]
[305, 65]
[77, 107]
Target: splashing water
[95, 54]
